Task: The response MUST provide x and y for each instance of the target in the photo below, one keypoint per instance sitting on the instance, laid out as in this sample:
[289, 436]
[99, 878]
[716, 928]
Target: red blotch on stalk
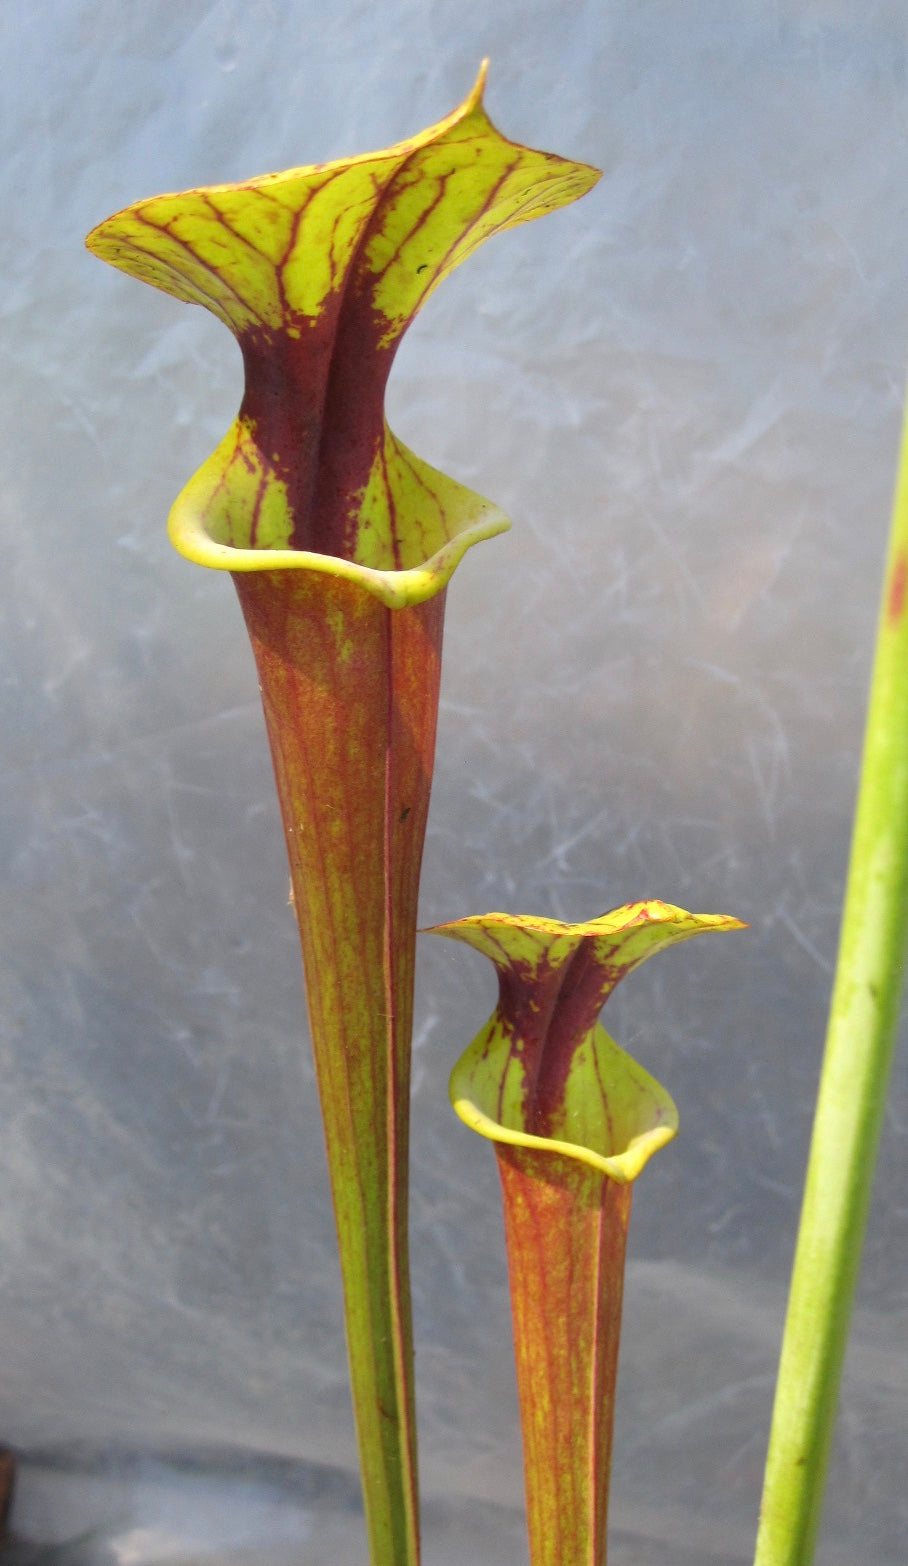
[897, 584]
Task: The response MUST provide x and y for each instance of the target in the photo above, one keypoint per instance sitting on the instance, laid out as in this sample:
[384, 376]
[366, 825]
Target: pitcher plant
[574, 1120]
[341, 543]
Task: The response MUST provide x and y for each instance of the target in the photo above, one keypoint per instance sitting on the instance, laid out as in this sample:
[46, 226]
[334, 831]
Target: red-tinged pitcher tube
[350, 692]
[566, 1233]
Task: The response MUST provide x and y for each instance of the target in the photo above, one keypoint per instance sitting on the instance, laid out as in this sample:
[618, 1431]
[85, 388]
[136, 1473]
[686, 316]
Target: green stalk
[852, 1095]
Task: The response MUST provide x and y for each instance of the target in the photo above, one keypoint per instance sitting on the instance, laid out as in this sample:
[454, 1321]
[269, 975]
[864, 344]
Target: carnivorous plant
[574, 1120]
[341, 543]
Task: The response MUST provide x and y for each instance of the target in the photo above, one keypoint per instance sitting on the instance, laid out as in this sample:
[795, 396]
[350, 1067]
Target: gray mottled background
[686, 391]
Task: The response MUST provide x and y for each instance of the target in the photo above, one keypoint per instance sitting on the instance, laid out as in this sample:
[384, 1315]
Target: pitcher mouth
[658, 1121]
[194, 530]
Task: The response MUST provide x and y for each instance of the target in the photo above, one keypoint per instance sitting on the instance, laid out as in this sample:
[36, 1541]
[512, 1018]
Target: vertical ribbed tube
[350, 693]
[566, 1232]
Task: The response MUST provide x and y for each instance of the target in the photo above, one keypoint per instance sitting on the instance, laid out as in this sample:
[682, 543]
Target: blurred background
[686, 391]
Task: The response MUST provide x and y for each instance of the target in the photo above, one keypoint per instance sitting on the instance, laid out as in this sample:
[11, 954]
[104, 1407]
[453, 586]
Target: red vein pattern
[318, 272]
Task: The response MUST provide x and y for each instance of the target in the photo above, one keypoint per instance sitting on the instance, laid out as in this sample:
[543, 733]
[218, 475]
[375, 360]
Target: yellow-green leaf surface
[318, 271]
[543, 1072]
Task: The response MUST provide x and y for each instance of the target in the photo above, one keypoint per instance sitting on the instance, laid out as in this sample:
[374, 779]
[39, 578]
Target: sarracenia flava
[341, 543]
[574, 1119]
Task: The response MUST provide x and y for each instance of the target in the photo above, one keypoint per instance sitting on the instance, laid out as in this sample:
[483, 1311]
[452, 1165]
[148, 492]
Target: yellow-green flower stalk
[860, 1044]
[341, 543]
[574, 1120]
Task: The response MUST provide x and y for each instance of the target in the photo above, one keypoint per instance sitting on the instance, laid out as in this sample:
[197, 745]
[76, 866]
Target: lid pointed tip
[479, 85]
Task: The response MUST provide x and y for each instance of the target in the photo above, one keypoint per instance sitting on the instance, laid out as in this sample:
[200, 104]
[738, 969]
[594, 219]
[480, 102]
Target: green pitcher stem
[852, 1095]
[350, 692]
